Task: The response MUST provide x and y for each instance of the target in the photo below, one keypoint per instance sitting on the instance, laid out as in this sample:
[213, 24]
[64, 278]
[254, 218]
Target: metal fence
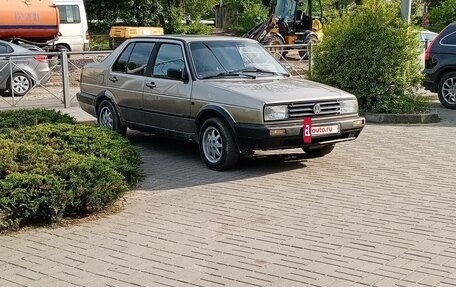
[58, 87]
[297, 58]
[55, 87]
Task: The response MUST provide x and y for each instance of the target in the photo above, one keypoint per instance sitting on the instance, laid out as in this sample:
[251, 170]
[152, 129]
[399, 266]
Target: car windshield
[233, 58]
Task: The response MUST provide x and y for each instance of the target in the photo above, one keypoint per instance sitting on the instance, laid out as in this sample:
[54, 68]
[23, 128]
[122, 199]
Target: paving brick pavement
[379, 211]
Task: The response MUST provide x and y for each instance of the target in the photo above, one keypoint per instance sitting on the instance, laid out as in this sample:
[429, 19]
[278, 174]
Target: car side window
[121, 63]
[4, 49]
[140, 58]
[169, 56]
[449, 40]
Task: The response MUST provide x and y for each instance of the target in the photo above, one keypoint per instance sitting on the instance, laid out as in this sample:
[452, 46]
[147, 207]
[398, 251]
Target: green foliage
[174, 17]
[374, 55]
[131, 12]
[86, 140]
[251, 13]
[198, 28]
[443, 14]
[53, 170]
[91, 182]
[31, 198]
[100, 42]
[30, 117]
[175, 25]
[165, 13]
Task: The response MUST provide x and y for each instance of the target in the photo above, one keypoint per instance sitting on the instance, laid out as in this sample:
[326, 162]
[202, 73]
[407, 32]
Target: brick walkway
[379, 211]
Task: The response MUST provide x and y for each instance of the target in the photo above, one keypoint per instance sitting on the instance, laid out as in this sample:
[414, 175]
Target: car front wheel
[447, 90]
[217, 145]
[107, 117]
[319, 151]
[20, 85]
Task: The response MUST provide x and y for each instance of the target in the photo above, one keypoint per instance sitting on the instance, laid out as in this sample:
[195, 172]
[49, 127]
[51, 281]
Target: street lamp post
[406, 10]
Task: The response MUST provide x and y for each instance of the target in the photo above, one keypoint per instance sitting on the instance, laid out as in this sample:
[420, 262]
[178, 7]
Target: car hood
[278, 90]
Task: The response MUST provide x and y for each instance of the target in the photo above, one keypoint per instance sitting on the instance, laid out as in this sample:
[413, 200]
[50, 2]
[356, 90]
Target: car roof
[15, 47]
[196, 38]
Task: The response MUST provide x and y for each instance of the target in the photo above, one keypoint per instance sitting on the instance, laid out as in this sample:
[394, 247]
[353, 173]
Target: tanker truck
[34, 22]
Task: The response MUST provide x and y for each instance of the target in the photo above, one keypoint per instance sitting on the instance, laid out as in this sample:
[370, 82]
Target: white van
[73, 26]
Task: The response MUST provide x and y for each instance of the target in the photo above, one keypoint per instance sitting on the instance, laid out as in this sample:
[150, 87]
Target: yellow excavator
[291, 22]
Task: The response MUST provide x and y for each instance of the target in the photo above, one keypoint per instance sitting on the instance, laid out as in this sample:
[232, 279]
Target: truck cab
[74, 35]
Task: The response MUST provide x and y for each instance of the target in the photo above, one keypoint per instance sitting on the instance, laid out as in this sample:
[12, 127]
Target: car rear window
[449, 40]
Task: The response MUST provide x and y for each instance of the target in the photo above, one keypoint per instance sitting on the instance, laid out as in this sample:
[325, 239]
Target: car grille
[299, 110]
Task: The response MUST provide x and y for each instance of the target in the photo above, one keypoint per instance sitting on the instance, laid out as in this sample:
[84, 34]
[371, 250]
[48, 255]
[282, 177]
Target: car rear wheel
[107, 117]
[20, 85]
[217, 145]
[318, 151]
[272, 42]
[304, 50]
[447, 90]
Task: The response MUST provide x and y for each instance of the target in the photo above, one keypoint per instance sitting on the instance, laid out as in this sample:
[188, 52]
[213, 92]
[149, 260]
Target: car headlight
[349, 106]
[274, 113]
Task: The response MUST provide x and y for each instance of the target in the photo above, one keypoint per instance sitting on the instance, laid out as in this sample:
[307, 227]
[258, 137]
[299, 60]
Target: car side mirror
[176, 74]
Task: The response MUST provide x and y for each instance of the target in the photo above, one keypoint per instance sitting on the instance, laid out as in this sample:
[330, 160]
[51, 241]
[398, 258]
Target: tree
[147, 12]
[443, 13]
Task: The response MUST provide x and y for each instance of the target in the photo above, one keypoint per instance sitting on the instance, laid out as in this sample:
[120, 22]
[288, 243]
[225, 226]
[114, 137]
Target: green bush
[53, 170]
[30, 117]
[86, 140]
[374, 55]
[34, 198]
[91, 183]
[443, 14]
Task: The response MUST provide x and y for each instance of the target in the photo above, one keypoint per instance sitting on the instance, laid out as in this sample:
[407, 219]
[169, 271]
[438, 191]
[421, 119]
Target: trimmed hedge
[32, 117]
[85, 140]
[50, 171]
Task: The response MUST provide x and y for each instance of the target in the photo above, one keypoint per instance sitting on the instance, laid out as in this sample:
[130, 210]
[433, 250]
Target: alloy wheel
[449, 91]
[212, 145]
[106, 118]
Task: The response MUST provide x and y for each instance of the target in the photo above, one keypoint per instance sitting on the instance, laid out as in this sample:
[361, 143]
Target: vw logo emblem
[317, 109]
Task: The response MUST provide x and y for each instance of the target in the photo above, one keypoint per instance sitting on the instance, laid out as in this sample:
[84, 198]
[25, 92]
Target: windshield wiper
[229, 74]
[257, 70]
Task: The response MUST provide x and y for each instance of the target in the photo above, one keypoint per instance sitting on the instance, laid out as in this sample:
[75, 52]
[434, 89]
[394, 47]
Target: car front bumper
[290, 134]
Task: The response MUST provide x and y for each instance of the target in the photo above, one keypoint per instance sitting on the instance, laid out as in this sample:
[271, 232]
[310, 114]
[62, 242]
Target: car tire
[21, 84]
[447, 90]
[107, 117]
[217, 145]
[274, 41]
[303, 52]
[319, 151]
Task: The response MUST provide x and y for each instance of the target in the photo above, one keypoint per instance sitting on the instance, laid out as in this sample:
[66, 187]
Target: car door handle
[151, 85]
[113, 79]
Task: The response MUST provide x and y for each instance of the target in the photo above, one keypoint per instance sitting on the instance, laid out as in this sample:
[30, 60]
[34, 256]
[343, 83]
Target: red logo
[307, 130]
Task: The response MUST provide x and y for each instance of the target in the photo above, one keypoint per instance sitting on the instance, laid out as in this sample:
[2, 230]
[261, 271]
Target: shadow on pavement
[172, 164]
[448, 116]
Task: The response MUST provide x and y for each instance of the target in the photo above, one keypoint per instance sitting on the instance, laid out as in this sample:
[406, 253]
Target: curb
[402, 118]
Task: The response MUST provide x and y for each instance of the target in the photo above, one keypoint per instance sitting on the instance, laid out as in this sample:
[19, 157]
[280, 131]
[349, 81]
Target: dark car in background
[440, 66]
[21, 68]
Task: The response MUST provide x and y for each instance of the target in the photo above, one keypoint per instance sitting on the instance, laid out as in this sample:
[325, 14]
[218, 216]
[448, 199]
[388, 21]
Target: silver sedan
[21, 68]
